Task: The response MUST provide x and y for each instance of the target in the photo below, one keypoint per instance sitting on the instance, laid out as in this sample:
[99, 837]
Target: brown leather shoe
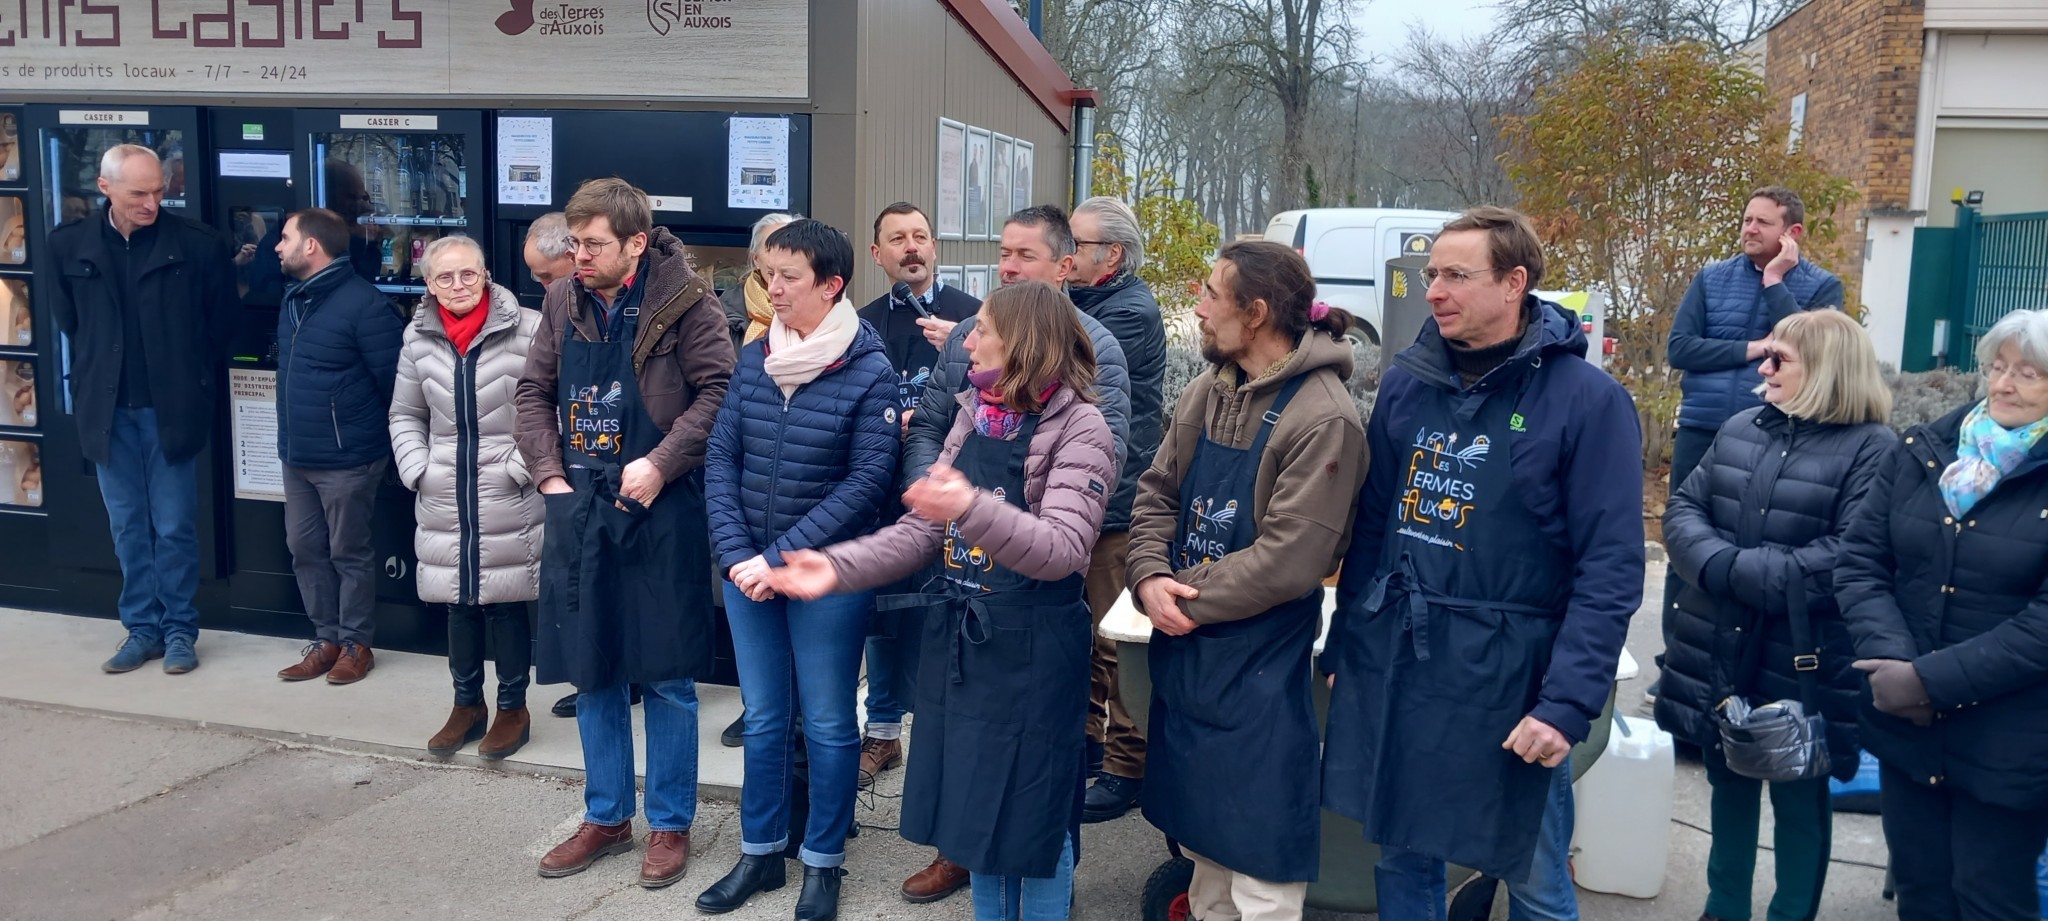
[941, 879]
[320, 656]
[353, 665]
[590, 842]
[508, 734]
[465, 725]
[876, 756]
[668, 855]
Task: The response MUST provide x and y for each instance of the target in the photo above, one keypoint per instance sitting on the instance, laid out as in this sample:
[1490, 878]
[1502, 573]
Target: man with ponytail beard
[1245, 510]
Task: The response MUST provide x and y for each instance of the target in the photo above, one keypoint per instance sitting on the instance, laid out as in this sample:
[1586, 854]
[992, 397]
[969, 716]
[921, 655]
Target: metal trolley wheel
[1166, 892]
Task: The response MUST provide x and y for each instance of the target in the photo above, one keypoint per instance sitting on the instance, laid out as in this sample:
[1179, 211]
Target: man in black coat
[1108, 252]
[912, 332]
[146, 298]
[337, 346]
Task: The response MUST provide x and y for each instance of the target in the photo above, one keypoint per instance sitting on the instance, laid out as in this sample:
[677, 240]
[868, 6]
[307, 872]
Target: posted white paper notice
[757, 164]
[259, 474]
[526, 161]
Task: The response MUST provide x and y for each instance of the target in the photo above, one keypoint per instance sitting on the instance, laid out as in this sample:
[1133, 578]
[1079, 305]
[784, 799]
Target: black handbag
[1783, 740]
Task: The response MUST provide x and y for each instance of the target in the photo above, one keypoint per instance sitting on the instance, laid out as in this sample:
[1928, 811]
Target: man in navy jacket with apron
[622, 382]
[1484, 603]
[1244, 511]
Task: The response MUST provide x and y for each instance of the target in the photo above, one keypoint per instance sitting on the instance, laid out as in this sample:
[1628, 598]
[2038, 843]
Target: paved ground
[110, 817]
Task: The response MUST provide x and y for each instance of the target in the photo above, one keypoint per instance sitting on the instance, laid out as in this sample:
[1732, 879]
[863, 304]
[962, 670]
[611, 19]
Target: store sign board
[391, 123]
[137, 117]
[398, 48]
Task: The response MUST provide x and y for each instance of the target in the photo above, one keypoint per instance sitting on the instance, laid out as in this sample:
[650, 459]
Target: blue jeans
[1411, 885]
[792, 653]
[1027, 898]
[604, 719]
[153, 510]
[889, 684]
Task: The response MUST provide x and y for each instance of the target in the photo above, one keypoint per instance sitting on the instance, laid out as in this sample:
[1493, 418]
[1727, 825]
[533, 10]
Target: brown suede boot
[352, 665]
[320, 656]
[465, 725]
[508, 734]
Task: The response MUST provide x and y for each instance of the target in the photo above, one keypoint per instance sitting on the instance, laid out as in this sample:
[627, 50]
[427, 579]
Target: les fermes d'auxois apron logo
[966, 563]
[594, 420]
[1438, 500]
[1210, 536]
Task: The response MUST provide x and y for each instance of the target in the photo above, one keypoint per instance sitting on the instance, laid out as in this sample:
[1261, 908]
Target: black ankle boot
[820, 898]
[754, 874]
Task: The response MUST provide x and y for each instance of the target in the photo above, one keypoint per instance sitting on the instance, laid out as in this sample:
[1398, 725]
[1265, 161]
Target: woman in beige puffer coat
[479, 515]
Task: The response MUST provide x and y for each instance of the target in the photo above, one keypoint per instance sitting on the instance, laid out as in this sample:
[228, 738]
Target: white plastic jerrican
[1623, 834]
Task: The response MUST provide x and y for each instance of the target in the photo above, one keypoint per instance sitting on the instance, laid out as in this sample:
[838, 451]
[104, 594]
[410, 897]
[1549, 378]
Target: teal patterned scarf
[1985, 453]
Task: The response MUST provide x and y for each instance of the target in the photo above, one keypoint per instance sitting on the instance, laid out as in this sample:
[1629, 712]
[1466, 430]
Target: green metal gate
[2000, 265]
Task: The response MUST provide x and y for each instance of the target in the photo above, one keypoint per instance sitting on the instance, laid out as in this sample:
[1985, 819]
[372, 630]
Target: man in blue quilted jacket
[337, 356]
[1717, 339]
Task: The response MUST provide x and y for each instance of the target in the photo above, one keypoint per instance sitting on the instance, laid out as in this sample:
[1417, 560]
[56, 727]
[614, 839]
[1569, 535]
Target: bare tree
[1285, 48]
[1458, 92]
[1558, 30]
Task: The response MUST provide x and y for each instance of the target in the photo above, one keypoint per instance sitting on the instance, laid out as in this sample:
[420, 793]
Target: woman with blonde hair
[1753, 532]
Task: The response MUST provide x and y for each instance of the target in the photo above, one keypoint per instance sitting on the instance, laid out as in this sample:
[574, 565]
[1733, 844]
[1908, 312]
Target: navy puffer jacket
[1965, 599]
[1725, 308]
[337, 358]
[806, 472]
[1772, 493]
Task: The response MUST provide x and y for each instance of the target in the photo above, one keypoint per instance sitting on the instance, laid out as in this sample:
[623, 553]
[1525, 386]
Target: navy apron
[624, 592]
[1230, 765]
[1451, 648]
[995, 774]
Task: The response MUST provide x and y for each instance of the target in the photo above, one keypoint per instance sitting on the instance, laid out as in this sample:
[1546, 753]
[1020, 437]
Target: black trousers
[511, 637]
[1955, 858]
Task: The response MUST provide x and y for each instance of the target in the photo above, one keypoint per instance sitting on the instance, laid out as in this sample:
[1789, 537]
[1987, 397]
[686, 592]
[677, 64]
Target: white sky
[1384, 23]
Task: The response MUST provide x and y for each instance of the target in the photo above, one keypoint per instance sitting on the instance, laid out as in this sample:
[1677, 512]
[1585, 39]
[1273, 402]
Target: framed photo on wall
[952, 191]
[978, 278]
[1022, 195]
[979, 204]
[953, 276]
[999, 183]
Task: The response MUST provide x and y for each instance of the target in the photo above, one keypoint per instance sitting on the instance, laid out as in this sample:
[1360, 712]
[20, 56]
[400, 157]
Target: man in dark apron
[1484, 603]
[622, 381]
[1245, 510]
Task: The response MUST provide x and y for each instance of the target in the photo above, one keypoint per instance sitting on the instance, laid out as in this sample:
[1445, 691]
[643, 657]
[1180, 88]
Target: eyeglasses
[593, 246]
[468, 278]
[1775, 359]
[2027, 374]
[1452, 277]
[1092, 242]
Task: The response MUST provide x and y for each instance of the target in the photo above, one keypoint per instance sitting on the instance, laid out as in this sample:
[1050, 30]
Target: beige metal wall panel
[918, 63]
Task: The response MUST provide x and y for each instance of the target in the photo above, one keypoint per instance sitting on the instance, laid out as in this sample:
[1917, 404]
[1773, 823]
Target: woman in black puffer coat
[1767, 505]
[1941, 579]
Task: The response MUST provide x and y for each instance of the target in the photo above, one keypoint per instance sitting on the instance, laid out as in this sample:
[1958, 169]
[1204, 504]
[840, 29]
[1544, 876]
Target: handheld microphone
[901, 292]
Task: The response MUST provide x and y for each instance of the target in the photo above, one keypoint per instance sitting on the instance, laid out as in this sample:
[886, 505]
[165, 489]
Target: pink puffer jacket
[1068, 476]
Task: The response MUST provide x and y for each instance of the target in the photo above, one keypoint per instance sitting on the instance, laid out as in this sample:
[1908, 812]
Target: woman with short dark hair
[802, 454]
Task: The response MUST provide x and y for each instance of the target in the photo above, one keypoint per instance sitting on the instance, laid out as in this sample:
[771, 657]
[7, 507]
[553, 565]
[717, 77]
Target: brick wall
[1858, 62]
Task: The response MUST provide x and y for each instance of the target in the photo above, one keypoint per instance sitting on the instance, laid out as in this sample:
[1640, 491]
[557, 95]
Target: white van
[1347, 250]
